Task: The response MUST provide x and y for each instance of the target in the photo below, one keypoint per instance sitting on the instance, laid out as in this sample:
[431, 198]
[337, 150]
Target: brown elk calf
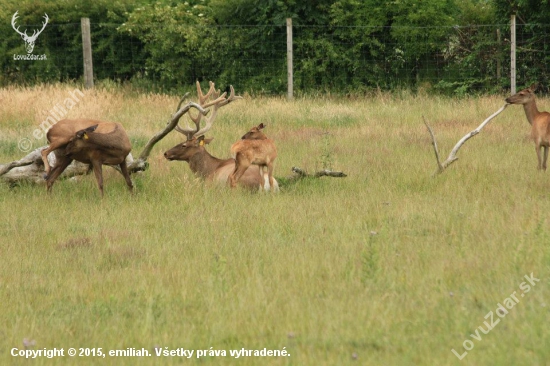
[254, 148]
[539, 121]
[110, 147]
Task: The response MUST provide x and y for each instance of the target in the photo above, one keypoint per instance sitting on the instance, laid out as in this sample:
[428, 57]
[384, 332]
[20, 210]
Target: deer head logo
[29, 40]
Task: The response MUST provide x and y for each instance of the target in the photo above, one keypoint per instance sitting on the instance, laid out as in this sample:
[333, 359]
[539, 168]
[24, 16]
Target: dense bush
[340, 46]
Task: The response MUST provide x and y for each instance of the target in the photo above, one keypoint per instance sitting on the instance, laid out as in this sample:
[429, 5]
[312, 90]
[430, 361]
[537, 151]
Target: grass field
[388, 266]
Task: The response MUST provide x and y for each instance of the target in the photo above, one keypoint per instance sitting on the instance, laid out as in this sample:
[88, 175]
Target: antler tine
[232, 97]
[218, 103]
[182, 100]
[203, 98]
[188, 131]
[210, 120]
[218, 100]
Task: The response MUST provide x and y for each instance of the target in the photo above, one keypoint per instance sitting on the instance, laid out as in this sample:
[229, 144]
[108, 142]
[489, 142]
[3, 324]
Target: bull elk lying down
[254, 148]
[216, 170]
[203, 164]
[90, 142]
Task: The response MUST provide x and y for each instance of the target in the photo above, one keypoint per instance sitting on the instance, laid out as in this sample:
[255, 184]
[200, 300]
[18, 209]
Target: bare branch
[452, 156]
[301, 173]
[169, 127]
[434, 144]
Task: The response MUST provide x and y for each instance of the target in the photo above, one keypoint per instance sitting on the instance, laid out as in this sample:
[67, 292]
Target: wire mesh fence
[454, 60]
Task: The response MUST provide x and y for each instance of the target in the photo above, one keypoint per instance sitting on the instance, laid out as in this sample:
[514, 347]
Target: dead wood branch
[140, 164]
[300, 173]
[30, 169]
[452, 156]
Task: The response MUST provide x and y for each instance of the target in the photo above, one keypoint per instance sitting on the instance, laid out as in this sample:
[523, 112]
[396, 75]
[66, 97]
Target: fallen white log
[30, 169]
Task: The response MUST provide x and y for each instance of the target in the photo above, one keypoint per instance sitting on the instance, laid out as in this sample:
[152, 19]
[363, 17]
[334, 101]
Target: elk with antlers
[254, 148]
[193, 150]
[29, 40]
[539, 121]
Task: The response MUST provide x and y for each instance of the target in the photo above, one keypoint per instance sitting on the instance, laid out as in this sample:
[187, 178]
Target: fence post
[290, 76]
[513, 54]
[87, 53]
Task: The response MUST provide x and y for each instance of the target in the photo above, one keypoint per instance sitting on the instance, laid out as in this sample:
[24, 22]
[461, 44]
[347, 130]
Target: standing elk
[102, 143]
[204, 165]
[63, 131]
[254, 148]
[539, 121]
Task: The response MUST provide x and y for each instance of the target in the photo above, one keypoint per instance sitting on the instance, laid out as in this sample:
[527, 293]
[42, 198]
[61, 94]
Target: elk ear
[533, 87]
[202, 141]
[261, 126]
[82, 134]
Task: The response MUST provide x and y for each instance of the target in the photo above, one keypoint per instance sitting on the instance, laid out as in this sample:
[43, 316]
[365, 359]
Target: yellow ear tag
[201, 143]
[85, 136]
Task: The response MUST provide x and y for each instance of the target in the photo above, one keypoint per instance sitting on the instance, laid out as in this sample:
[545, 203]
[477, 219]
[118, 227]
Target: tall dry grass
[387, 266]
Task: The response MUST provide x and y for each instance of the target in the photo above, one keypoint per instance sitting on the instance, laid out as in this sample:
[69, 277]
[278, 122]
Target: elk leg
[62, 163]
[270, 176]
[98, 172]
[545, 157]
[237, 174]
[240, 167]
[126, 175]
[538, 147]
[52, 147]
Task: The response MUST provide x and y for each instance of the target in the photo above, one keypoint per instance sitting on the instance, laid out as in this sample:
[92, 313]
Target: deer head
[255, 133]
[29, 40]
[523, 96]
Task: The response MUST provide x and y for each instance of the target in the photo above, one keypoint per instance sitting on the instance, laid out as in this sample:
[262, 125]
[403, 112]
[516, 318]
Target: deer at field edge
[539, 121]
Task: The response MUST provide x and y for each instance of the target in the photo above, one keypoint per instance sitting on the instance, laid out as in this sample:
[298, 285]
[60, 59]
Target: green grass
[388, 266]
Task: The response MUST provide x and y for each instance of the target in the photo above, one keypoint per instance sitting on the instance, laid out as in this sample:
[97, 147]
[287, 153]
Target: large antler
[217, 102]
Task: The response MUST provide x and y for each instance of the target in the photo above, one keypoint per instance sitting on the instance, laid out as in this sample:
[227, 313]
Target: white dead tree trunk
[452, 156]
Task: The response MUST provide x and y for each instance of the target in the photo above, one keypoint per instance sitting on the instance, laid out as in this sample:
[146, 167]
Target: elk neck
[531, 111]
[204, 164]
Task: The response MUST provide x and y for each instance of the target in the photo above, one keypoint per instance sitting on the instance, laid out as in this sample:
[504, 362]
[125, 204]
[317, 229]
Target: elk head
[74, 143]
[524, 96]
[255, 133]
[29, 40]
[187, 149]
